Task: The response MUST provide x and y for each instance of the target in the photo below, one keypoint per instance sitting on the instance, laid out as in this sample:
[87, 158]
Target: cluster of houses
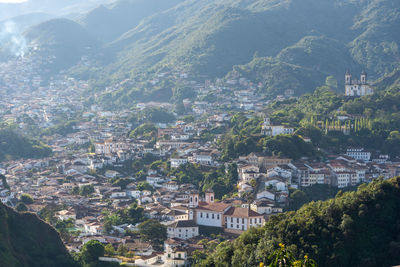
[263, 181]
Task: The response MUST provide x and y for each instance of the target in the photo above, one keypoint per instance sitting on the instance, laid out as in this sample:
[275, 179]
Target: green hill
[108, 23]
[297, 43]
[354, 229]
[284, 44]
[299, 67]
[63, 40]
[27, 241]
[14, 146]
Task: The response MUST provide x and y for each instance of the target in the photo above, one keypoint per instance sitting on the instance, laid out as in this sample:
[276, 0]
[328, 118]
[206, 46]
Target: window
[242, 220]
[207, 215]
[251, 221]
[231, 225]
[212, 216]
[218, 216]
[169, 255]
[237, 220]
[259, 220]
[201, 215]
[231, 219]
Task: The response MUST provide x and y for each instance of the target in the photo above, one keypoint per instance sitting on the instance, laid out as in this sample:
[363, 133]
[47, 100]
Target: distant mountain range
[283, 44]
[56, 8]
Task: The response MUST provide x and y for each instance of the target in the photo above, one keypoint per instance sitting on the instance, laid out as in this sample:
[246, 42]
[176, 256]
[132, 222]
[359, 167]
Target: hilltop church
[354, 87]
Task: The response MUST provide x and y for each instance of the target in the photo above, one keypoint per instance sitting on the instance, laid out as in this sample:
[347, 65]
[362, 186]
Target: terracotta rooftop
[241, 212]
[216, 206]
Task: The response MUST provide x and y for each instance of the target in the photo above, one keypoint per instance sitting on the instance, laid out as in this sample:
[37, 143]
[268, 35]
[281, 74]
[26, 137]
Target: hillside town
[89, 175]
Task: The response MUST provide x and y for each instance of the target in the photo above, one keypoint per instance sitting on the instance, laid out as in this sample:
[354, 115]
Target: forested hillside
[26, 241]
[372, 121]
[354, 229]
[14, 146]
[280, 44]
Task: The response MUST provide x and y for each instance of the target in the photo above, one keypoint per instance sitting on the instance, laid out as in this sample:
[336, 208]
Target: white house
[274, 130]
[343, 179]
[155, 180]
[171, 186]
[277, 184]
[204, 158]
[182, 229]
[134, 193]
[64, 215]
[118, 195]
[359, 154]
[237, 220]
[176, 162]
[266, 194]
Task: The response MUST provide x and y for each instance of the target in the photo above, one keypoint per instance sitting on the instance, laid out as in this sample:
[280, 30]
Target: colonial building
[359, 154]
[354, 87]
[273, 130]
[110, 146]
[237, 220]
[182, 229]
[220, 214]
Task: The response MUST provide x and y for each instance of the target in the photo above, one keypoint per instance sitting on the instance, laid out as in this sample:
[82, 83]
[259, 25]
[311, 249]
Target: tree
[297, 199]
[109, 250]
[153, 231]
[144, 186]
[26, 199]
[91, 251]
[21, 207]
[4, 181]
[122, 250]
[331, 82]
[284, 258]
[63, 226]
[86, 190]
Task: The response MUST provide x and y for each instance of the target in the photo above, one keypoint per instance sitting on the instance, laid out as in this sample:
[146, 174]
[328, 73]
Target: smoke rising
[12, 39]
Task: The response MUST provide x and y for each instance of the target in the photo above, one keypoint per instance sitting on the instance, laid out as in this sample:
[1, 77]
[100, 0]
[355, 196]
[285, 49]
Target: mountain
[353, 229]
[299, 67]
[14, 146]
[62, 40]
[305, 41]
[55, 8]
[282, 44]
[390, 80]
[109, 22]
[27, 241]
[23, 22]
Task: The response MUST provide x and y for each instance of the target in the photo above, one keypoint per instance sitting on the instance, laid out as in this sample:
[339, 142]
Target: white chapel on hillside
[354, 87]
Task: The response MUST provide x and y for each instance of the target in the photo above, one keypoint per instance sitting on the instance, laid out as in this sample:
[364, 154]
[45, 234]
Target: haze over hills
[10, 9]
[281, 44]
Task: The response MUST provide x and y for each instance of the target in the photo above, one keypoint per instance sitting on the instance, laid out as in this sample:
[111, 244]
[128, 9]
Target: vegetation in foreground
[359, 228]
